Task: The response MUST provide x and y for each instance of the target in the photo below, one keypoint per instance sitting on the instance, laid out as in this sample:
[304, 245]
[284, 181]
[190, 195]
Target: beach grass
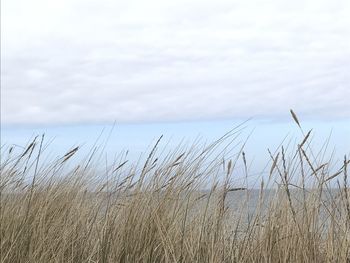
[180, 206]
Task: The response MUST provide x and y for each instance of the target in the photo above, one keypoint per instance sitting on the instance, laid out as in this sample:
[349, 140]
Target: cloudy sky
[201, 64]
[78, 61]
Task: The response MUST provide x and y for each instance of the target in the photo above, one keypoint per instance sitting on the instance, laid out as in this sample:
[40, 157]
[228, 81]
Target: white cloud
[91, 61]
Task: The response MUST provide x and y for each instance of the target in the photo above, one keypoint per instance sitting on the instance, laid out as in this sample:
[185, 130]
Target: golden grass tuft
[185, 206]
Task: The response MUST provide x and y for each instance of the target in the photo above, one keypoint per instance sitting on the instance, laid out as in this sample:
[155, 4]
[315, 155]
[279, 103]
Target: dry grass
[60, 211]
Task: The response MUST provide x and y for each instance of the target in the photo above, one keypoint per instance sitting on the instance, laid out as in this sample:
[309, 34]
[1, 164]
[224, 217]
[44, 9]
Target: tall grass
[185, 206]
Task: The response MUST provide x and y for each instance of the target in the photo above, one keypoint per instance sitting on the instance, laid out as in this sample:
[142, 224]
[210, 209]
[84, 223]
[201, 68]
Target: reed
[188, 205]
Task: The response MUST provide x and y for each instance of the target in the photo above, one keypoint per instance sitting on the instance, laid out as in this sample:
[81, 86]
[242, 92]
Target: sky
[72, 67]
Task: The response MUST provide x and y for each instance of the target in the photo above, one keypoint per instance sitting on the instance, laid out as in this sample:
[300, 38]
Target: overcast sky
[78, 61]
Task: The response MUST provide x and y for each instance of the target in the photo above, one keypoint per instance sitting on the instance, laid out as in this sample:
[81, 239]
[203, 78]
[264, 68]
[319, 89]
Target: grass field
[174, 207]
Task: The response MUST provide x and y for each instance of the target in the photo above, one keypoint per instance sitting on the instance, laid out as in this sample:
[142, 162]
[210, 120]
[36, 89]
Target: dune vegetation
[176, 206]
